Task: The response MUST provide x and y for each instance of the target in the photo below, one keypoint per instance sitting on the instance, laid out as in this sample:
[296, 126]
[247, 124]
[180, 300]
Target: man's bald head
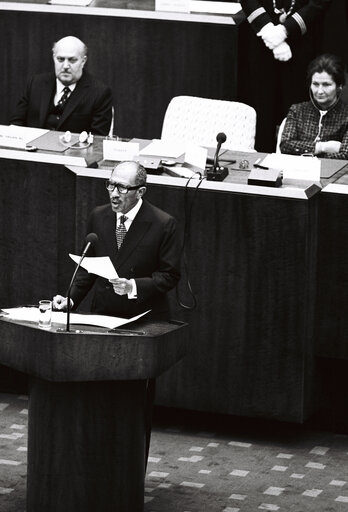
[69, 56]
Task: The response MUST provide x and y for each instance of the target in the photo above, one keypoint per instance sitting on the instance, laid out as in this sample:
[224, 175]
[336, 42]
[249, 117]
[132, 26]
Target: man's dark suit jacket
[150, 254]
[89, 106]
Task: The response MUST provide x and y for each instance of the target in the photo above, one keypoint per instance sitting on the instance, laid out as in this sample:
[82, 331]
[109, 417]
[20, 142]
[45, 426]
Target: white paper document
[31, 314]
[81, 3]
[18, 136]
[195, 162]
[294, 167]
[165, 148]
[215, 7]
[100, 265]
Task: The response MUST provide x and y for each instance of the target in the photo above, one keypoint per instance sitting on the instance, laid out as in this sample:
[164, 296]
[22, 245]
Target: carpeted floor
[203, 463]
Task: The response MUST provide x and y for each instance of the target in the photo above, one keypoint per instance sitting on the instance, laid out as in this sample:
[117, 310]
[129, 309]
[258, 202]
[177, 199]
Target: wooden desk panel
[332, 291]
[252, 264]
[37, 227]
[252, 268]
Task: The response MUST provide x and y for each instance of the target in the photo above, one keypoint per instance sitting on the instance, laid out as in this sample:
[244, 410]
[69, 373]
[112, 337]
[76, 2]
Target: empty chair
[199, 120]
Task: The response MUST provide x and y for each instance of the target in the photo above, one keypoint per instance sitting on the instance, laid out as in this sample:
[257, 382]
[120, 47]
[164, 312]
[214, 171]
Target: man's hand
[329, 146]
[282, 52]
[121, 286]
[273, 35]
[60, 303]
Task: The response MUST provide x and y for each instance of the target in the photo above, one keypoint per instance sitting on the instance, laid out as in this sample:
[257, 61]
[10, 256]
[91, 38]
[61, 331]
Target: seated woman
[319, 126]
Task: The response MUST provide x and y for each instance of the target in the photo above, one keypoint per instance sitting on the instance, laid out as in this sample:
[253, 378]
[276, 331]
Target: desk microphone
[218, 173]
[91, 239]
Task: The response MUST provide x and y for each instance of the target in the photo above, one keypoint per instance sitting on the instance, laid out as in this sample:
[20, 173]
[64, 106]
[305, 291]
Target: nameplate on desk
[18, 136]
[119, 151]
[265, 177]
[172, 5]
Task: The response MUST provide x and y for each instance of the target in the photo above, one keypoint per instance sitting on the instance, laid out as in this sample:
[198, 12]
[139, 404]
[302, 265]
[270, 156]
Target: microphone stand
[70, 286]
[217, 173]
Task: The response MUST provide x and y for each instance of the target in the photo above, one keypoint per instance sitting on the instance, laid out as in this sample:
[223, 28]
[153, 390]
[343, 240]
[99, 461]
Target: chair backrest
[111, 131]
[199, 120]
[279, 135]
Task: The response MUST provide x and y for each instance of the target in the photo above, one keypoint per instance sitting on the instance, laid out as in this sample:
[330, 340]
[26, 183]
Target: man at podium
[68, 98]
[142, 243]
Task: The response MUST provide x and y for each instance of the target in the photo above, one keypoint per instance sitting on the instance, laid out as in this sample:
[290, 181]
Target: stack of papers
[164, 148]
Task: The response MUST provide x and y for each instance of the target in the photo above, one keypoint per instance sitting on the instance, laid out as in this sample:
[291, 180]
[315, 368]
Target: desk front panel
[37, 212]
[251, 264]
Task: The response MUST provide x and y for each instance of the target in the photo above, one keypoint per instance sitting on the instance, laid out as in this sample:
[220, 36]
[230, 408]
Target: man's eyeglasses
[120, 188]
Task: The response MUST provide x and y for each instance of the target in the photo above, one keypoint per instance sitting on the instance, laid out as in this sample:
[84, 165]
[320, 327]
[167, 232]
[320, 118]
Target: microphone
[221, 138]
[91, 239]
[218, 173]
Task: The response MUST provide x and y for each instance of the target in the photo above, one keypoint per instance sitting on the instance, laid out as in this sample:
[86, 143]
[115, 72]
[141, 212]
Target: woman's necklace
[282, 12]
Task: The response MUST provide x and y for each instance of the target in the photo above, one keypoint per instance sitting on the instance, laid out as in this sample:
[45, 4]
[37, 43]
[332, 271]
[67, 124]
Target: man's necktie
[121, 231]
[64, 98]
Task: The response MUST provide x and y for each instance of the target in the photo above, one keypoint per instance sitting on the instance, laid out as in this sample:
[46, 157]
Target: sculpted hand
[121, 286]
[282, 52]
[273, 35]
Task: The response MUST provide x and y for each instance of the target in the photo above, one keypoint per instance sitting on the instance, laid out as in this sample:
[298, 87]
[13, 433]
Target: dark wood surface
[332, 293]
[34, 246]
[88, 409]
[145, 61]
[86, 446]
[91, 356]
[251, 260]
[251, 263]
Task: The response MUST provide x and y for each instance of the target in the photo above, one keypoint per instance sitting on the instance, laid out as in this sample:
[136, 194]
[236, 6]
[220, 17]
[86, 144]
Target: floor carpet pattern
[234, 467]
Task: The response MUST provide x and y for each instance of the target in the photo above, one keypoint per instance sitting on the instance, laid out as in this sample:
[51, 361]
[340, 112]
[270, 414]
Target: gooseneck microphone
[91, 239]
[221, 138]
[218, 173]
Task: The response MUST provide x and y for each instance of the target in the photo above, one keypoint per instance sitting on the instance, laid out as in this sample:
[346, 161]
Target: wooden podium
[87, 411]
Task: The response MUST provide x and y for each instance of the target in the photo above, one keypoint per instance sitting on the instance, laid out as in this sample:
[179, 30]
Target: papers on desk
[81, 3]
[100, 265]
[18, 136]
[294, 167]
[194, 165]
[31, 314]
[164, 148]
[215, 7]
[202, 6]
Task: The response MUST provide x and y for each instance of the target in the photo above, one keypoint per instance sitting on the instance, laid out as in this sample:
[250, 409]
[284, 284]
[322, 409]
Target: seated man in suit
[69, 98]
[141, 241]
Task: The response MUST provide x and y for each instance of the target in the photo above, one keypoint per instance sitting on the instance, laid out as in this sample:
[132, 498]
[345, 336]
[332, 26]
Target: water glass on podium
[45, 314]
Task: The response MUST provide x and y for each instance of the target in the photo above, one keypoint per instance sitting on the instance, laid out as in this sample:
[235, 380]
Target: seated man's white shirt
[60, 89]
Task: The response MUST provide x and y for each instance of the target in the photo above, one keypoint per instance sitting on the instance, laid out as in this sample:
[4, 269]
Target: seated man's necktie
[121, 231]
[64, 98]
